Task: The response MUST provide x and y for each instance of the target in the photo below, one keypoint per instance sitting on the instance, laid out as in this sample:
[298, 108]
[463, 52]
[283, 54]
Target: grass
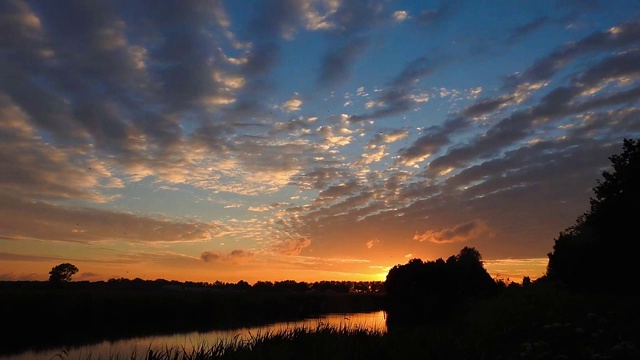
[321, 342]
[86, 315]
[525, 324]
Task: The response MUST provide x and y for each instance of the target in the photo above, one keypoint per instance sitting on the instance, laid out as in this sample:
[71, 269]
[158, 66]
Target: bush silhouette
[597, 253]
[429, 291]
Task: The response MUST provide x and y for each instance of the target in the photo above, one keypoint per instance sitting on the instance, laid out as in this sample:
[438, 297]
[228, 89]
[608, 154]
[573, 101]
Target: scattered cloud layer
[301, 131]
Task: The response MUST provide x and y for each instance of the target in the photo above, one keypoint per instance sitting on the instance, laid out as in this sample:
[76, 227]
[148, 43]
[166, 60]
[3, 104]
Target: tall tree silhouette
[597, 253]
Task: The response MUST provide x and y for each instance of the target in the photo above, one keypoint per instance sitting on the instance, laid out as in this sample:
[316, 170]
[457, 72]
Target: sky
[304, 140]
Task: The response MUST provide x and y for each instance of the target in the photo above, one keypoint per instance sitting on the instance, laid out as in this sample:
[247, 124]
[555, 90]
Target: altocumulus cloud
[95, 107]
[459, 233]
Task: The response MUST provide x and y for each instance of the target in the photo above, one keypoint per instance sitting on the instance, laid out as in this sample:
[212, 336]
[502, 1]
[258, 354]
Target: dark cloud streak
[335, 67]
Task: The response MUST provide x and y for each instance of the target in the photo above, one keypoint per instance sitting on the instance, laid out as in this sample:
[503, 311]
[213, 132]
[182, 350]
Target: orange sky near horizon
[508, 269]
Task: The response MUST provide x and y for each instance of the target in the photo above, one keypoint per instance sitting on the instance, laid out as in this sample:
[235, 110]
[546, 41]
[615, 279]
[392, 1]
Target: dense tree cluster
[597, 253]
[62, 273]
[430, 290]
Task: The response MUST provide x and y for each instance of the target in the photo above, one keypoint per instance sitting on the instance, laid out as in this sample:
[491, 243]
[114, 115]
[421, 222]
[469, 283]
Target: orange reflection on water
[138, 347]
[374, 321]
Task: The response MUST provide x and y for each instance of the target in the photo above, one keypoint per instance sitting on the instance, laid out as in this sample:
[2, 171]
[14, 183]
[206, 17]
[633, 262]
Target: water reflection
[195, 340]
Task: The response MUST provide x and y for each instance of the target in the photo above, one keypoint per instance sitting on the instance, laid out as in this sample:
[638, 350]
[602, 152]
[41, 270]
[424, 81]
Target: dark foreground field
[39, 316]
[535, 322]
[528, 324]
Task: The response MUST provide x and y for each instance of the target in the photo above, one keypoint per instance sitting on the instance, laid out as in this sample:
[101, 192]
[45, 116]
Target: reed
[527, 324]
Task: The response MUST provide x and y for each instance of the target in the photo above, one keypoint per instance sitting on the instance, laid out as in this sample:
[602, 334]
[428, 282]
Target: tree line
[62, 274]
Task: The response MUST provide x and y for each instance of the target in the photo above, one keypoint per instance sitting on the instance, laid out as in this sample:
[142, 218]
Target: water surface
[140, 345]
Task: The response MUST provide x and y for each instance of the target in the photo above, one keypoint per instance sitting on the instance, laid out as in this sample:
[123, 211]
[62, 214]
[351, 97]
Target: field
[534, 322]
[542, 323]
[40, 316]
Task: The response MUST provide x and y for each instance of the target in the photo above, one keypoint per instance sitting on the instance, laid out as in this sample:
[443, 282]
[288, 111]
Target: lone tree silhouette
[62, 273]
[598, 252]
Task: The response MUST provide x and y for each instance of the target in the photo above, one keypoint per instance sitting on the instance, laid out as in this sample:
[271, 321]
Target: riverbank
[40, 316]
[529, 324]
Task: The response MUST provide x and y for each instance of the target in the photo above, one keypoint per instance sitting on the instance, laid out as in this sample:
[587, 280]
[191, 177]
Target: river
[125, 348]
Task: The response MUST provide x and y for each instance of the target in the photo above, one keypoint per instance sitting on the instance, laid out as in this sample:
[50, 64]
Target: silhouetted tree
[291, 286]
[597, 253]
[242, 285]
[263, 286]
[62, 273]
[424, 291]
[331, 286]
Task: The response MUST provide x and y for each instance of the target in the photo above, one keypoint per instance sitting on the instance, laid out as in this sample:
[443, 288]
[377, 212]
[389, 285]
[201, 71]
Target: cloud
[277, 18]
[259, 208]
[344, 208]
[317, 14]
[528, 28]
[400, 15]
[435, 16]
[292, 105]
[575, 106]
[292, 247]
[434, 139]
[20, 257]
[371, 243]
[234, 257]
[616, 37]
[339, 190]
[377, 153]
[414, 71]
[123, 91]
[546, 169]
[355, 17]
[96, 107]
[50, 222]
[583, 94]
[538, 163]
[402, 92]
[459, 233]
[486, 106]
[334, 136]
[267, 207]
[35, 168]
[20, 277]
[336, 65]
[386, 138]
[320, 177]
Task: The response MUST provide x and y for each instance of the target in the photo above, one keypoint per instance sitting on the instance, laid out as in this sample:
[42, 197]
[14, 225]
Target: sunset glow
[305, 140]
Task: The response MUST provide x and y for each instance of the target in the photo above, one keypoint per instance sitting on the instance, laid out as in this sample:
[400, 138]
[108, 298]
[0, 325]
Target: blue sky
[305, 140]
